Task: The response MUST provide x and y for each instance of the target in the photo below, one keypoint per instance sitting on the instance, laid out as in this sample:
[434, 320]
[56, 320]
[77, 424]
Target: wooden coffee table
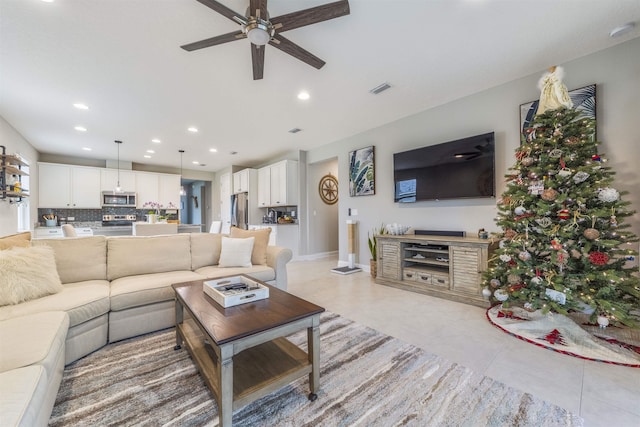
[241, 351]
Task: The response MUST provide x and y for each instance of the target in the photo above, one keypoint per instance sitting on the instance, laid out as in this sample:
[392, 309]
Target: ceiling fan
[260, 29]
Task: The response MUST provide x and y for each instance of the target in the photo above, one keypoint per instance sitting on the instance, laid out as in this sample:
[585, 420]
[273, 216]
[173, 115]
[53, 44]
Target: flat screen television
[464, 168]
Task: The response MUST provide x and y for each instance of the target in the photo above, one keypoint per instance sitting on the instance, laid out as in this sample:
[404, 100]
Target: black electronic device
[464, 168]
[451, 233]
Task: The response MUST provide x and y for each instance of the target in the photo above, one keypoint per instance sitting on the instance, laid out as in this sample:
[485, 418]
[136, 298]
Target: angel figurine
[553, 93]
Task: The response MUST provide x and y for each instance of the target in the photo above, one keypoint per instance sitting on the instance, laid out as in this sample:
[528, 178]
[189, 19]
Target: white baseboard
[313, 257]
[365, 268]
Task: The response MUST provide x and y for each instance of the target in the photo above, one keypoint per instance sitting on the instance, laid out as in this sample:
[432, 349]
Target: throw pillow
[259, 254]
[27, 273]
[236, 252]
[22, 240]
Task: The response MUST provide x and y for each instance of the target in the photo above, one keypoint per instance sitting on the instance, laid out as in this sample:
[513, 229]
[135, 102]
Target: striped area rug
[366, 379]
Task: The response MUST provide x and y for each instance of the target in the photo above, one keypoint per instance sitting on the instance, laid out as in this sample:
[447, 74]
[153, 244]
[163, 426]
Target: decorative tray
[235, 290]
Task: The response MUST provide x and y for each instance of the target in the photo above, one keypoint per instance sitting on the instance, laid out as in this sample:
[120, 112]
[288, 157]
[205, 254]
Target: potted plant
[373, 262]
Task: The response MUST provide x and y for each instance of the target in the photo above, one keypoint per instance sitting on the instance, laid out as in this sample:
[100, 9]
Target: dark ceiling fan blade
[257, 59]
[260, 5]
[310, 16]
[223, 10]
[296, 51]
[224, 38]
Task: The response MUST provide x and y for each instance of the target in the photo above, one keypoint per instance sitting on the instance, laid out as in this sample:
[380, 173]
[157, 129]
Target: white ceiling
[122, 58]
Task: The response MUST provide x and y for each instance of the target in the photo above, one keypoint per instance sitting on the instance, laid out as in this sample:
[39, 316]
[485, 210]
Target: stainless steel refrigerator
[240, 210]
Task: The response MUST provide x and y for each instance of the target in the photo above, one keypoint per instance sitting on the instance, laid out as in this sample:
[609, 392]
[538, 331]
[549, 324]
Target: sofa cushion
[236, 252]
[46, 334]
[80, 259]
[21, 395]
[135, 291]
[261, 236]
[205, 249]
[152, 254]
[259, 272]
[27, 273]
[15, 240]
[83, 301]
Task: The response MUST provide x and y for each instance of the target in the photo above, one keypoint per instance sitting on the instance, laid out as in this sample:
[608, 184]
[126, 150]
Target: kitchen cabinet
[242, 180]
[147, 187]
[109, 180]
[278, 184]
[66, 186]
[264, 187]
[158, 188]
[12, 169]
[169, 190]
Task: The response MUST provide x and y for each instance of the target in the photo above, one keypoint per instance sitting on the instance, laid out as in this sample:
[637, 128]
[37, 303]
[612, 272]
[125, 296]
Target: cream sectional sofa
[113, 288]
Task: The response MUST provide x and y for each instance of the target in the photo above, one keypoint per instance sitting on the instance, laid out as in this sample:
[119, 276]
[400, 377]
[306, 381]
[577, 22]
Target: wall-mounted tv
[464, 168]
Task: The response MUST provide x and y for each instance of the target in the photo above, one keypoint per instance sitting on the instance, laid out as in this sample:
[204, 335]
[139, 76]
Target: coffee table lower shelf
[257, 371]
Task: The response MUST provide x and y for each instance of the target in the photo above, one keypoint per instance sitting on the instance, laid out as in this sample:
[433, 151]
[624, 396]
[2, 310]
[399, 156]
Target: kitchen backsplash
[90, 215]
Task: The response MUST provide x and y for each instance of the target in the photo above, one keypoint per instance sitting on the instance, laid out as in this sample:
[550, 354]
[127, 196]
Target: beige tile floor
[604, 395]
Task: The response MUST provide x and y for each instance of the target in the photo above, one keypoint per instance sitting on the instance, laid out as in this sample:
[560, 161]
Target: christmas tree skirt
[559, 333]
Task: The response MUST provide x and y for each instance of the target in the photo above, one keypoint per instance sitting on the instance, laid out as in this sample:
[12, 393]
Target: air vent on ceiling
[381, 88]
[294, 130]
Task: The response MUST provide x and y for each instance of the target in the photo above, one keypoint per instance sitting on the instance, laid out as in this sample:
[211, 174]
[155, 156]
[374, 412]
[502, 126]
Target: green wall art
[361, 172]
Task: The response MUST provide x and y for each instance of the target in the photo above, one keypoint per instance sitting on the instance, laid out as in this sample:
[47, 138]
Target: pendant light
[118, 188]
[182, 192]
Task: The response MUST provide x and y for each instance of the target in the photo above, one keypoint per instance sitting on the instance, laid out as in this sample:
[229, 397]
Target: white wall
[615, 71]
[322, 218]
[15, 143]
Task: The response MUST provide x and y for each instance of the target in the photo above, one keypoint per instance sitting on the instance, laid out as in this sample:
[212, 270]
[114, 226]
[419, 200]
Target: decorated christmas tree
[564, 244]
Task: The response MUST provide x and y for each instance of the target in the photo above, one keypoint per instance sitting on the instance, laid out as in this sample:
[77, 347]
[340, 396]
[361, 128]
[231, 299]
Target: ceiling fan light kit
[261, 30]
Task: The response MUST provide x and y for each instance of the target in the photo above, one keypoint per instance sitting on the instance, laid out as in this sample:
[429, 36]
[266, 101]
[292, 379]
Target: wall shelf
[11, 166]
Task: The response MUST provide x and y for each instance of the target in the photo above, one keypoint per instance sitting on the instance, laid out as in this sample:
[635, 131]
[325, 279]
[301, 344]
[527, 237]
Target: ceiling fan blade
[258, 5]
[257, 59]
[310, 16]
[224, 38]
[223, 10]
[296, 51]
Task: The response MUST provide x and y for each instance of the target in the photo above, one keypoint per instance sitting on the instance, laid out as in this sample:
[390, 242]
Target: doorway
[195, 204]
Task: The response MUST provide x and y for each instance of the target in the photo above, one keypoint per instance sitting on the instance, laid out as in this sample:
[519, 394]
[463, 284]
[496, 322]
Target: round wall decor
[328, 189]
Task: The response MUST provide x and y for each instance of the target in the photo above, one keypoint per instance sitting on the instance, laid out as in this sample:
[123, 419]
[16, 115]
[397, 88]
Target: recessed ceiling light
[294, 130]
[150, 151]
[48, 1]
[623, 29]
[303, 95]
[86, 148]
[193, 129]
[146, 156]
[81, 106]
[80, 128]
[213, 150]
[195, 162]
[156, 140]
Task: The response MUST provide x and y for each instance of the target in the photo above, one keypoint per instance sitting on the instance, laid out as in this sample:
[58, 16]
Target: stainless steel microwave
[122, 200]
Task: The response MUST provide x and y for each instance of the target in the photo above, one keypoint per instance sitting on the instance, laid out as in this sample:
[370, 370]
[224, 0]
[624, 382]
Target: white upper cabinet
[241, 180]
[278, 184]
[109, 180]
[147, 188]
[169, 191]
[70, 187]
[284, 183]
[264, 187]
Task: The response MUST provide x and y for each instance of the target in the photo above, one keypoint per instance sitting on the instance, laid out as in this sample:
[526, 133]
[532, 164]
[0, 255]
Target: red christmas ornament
[598, 258]
[564, 214]
[596, 158]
